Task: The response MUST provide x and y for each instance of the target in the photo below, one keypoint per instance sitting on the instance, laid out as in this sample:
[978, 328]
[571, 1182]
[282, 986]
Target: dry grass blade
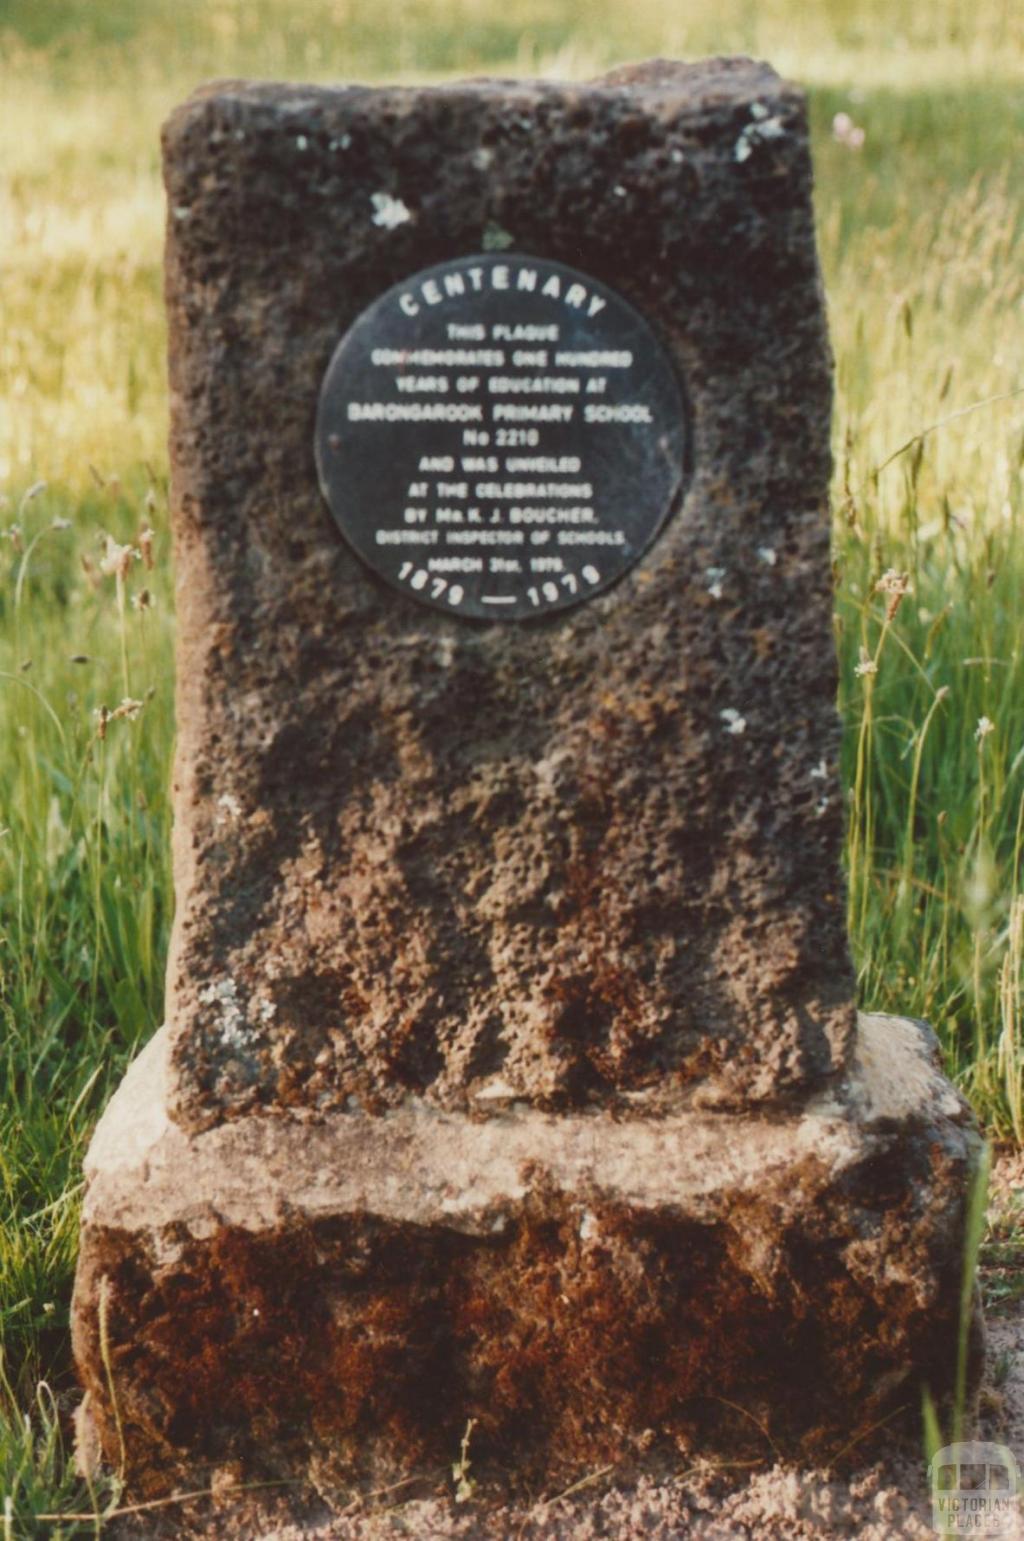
[153, 1504]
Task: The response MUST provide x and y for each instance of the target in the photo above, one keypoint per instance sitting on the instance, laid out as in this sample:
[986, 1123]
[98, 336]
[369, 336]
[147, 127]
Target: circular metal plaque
[500, 437]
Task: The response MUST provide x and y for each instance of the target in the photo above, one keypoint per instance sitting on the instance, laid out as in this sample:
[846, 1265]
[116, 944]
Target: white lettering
[628, 412]
[533, 385]
[414, 412]
[438, 358]
[548, 412]
[593, 358]
[407, 537]
[436, 383]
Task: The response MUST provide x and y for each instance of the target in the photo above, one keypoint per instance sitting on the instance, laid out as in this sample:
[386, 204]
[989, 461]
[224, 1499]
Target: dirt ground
[767, 1502]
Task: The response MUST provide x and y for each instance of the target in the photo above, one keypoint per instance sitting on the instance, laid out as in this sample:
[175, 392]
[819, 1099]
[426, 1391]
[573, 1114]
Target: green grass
[84, 907]
[921, 238]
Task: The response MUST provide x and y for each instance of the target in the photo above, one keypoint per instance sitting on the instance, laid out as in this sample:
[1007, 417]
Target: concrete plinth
[307, 1297]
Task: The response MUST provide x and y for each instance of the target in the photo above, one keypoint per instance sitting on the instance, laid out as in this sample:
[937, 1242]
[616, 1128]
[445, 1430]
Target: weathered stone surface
[417, 856]
[530, 935]
[343, 1296]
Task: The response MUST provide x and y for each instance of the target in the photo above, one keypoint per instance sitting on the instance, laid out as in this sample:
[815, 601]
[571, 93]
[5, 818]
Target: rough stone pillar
[511, 1069]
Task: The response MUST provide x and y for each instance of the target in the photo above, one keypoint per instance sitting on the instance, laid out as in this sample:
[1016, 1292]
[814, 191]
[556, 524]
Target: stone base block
[327, 1298]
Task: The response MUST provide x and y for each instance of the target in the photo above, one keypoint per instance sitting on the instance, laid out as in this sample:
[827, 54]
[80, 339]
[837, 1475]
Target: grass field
[921, 237]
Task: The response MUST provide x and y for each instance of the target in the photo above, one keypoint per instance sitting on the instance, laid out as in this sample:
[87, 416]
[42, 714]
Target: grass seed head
[117, 559]
[897, 586]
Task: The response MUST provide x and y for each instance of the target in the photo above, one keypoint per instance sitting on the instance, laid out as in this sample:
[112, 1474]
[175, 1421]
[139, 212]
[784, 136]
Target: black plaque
[500, 437]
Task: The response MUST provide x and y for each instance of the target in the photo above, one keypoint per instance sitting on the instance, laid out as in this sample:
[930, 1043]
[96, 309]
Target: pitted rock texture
[571, 861]
[326, 1300]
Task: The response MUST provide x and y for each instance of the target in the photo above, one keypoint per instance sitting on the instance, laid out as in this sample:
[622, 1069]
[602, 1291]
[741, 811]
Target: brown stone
[511, 1070]
[415, 855]
[317, 1300]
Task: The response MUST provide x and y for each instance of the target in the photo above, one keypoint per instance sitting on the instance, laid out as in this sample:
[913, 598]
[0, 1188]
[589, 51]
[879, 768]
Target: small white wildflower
[819, 772]
[715, 576]
[117, 559]
[768, 555]
[388, 212]
[182, 211]
[846, 132]
[676, 157]
[758, 110]
[867, 664]
[619, 190]
[742, 150]
[822, 806]
[984, 728]
[733, 721]
[301, 142]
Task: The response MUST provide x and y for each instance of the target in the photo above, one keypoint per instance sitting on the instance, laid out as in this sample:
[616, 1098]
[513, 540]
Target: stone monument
[511, 1070]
